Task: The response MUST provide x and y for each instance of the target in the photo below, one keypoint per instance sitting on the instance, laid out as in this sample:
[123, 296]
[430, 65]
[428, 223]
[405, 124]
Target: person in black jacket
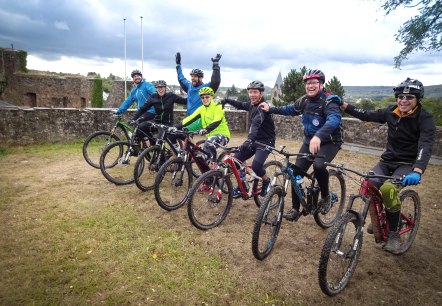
[163, 103]
[261, 128]
[410, 139]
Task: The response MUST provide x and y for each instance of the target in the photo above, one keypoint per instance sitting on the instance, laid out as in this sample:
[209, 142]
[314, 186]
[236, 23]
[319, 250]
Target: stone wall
[58, 125]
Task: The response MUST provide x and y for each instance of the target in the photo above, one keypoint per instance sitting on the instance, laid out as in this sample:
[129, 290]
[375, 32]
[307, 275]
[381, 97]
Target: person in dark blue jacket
[139, 94]
[261, 128]
[321, 119]
[410, 138]
[195, 84]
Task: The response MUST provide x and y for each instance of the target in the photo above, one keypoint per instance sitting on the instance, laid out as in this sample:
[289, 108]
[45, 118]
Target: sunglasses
[406, 97]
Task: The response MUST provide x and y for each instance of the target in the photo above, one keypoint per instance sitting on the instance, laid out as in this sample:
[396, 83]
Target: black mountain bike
[95, 143]
[118, 159]
[269, 218]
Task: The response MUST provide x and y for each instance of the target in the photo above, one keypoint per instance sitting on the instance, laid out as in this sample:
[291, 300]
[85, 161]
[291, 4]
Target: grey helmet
[197, 72]
[136, 71]
[410, 86]
[256, 85]
[160, 83]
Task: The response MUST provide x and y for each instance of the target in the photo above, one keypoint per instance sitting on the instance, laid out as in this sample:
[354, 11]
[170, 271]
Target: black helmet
[410, 86]
[197, 72]
[256, 85]
[136, 71]
[314, 74]
[160, 83]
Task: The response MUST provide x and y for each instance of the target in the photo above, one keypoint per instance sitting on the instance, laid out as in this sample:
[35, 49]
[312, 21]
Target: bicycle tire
[147, 166]
[410, 218]
[204, 209]
[267, 223]
[340, 254]
[172, 184]
[94, 145]
[337, 189]
[116, 163]
[271, 167]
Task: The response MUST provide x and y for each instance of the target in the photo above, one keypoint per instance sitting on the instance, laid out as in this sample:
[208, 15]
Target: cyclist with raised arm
[261, 128]
[195, 84]
[213, 121]
[321, 119]
[139, 94]
[410, 138]
[163, 103]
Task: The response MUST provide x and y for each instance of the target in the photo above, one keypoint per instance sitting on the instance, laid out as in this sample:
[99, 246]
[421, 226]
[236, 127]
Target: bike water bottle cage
[390, 196]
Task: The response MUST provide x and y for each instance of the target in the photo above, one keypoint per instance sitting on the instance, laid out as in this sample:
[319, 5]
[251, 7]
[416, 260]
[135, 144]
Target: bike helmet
[314, 74]
[136, 71]
[206, 91]
[256, 85]
[197, 72]
[160, 83]
[410, 86]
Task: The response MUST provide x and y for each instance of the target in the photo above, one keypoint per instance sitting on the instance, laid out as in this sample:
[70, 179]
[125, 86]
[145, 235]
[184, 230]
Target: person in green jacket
[213, 121]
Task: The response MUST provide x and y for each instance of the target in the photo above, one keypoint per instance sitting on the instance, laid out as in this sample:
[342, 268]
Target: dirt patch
[291, 270]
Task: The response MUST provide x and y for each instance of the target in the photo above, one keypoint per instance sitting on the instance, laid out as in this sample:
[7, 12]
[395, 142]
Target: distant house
[277, 88]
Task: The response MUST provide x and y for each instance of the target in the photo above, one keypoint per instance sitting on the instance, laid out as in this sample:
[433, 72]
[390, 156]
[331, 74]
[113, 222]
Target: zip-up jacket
[410, 138]
[193, 98]
[163, 107]
[261, 125]
[319, 118]
[212, 119]
[139, 94]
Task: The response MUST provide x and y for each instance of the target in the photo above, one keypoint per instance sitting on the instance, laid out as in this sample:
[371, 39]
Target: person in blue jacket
[195, 84]
[139, 95]
[323, 134]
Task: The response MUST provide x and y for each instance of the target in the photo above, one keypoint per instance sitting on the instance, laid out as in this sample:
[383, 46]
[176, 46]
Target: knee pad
[390, 195]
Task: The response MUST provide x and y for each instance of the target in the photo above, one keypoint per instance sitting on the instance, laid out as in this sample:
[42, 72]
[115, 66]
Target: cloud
[258, 39]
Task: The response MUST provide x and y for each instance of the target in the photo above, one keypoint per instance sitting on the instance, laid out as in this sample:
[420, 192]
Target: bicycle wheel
[337, 189]
[410, 217]
[147, 166]
[116, 163]
[95, 144]
[340, 254]
[271, 168]
[172, 184]
[267, 223]
[210, 199]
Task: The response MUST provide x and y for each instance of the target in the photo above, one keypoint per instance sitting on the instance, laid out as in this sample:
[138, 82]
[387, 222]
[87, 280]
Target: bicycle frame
[190, 153]
[373, 204]
[230, 163]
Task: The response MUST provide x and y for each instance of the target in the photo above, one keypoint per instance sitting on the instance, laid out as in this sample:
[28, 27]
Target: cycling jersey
[139, 94]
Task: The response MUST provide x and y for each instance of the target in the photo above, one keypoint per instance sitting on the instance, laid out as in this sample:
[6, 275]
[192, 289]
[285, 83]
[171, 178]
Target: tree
[366, 104]
[97, 93]
[232, 91]
[421, 32]
[335, 87]
[243, 95]
[293, 85]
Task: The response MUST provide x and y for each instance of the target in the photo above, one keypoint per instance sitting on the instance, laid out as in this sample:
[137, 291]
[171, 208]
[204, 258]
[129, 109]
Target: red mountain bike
[342, 247]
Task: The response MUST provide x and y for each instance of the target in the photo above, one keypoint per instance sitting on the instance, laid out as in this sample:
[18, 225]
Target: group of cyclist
[410, 136]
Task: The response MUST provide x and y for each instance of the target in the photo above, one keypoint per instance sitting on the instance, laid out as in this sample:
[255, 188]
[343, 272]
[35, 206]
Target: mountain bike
[175, 177]
[342, 247]
[96, 142]
[150, 160]
[211, 196]
[269, 218]
[116, 161]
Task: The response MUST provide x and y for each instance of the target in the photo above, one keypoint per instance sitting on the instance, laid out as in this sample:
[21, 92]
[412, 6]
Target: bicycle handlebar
[308, 156]
[366, 175]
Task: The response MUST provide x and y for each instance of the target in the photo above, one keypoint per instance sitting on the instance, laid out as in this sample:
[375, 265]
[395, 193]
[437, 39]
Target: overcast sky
[349, 39]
